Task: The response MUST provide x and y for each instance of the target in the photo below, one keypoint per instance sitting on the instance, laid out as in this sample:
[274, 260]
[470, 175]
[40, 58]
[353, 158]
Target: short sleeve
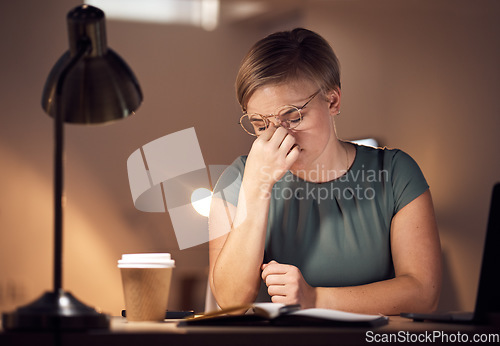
[229, 184]
[408, 181]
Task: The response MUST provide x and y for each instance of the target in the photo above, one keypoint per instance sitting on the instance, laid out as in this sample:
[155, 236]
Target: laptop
[488, 299]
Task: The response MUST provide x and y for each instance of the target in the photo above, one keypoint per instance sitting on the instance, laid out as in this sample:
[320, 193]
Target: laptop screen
[488, 299]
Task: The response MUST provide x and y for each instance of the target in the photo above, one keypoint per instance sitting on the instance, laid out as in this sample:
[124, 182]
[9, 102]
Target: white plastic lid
[146, 260]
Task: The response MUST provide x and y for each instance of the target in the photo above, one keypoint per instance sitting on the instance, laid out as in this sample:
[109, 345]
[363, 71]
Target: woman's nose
[278, 122]
[275, 120]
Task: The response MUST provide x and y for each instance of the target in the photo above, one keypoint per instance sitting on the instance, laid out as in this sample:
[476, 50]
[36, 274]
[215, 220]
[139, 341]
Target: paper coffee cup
[146, 281]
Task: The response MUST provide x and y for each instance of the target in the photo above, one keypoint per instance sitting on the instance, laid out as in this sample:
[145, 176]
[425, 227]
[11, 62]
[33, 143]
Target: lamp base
[58, 310]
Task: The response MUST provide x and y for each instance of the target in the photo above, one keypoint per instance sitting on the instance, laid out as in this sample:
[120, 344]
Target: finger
[276, 268]
[264, 265]
[273, 269]
[268, 133]
[293, 155]
[287, 143]
[278, 136]
[275, 279]
[276, 290]
[279, 299]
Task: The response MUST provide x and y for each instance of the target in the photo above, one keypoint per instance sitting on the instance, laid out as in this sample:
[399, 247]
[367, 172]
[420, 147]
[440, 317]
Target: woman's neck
[333, 164]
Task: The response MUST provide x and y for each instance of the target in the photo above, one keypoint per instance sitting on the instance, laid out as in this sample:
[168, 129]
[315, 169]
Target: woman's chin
[299, 164]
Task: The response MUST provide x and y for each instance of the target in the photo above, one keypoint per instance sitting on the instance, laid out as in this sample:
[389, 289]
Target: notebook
[276, 314]
[488, 299]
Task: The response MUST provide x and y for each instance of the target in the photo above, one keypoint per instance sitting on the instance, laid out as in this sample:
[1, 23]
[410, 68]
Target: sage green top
[337, 233]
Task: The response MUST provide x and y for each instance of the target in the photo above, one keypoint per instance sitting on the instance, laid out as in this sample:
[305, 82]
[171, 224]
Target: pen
[289, 308]
[223, 311]
[171, 314]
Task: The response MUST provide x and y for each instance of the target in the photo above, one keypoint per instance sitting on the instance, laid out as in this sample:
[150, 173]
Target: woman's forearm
[235, 266]
[390, 297]
[236, 271]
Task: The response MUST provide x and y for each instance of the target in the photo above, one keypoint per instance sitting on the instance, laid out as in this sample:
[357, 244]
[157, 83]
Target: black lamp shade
[100, 87]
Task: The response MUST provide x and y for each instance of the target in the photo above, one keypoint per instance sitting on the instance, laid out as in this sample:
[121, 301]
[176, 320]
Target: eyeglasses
[287, 116]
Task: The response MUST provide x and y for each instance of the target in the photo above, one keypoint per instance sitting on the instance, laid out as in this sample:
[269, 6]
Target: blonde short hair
[287, 56]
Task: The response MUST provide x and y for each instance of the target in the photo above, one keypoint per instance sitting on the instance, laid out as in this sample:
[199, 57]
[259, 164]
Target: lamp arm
[84, 47]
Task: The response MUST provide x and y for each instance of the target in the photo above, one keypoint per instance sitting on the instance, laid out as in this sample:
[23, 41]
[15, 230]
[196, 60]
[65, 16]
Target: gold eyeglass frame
[266, 117]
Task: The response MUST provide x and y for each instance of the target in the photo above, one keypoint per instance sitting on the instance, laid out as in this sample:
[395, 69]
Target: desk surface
[123, 333]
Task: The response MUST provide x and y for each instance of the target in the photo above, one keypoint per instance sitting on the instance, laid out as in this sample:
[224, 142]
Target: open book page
[335, 315]
[273, 310]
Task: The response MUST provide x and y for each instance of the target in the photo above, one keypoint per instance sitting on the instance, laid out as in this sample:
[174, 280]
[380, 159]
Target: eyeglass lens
[255, 124]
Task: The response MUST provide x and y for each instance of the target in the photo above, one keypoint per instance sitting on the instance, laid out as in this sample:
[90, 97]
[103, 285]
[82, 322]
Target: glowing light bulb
[200, 200]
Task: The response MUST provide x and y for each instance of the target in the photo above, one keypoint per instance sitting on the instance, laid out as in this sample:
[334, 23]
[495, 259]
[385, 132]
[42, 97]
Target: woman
[311, 219]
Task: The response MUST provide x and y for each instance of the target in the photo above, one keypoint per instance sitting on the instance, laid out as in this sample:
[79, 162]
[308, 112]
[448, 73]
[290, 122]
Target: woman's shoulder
[367, 155]
[230, 179]
[241, 159]
[238, 165]
[377, 153]
[393, 160]
[371, 150]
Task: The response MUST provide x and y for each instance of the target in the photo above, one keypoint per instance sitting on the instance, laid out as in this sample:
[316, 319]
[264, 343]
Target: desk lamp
[89, 84]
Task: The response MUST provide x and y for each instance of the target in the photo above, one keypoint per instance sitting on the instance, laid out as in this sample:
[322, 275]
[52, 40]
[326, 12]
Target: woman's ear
[333, 97]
